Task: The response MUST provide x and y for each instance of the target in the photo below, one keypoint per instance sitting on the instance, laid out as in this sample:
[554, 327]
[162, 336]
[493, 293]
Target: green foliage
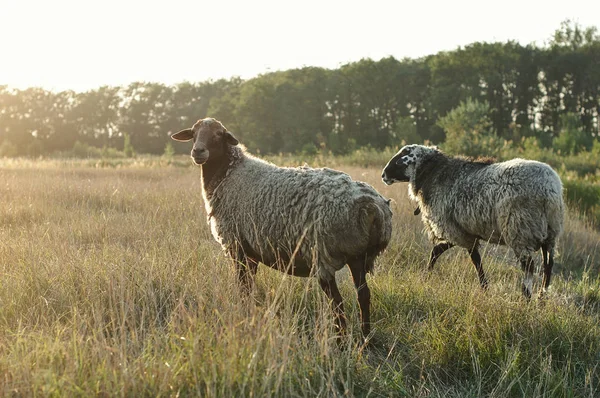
[469, 130]
[339, 144]
[309, 149]
[470, 115]
[595, 148]
[334, 143]
[82, 150]
[572, 35]
[367, 103]
[169, 150]
[405, 132]
[584, 195]
[127, 146]
[533, 147]
[571, 138]
[112, 153]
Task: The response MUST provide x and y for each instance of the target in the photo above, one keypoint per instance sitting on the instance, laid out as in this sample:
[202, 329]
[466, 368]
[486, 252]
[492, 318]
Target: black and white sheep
[302, 221]
[517, 203]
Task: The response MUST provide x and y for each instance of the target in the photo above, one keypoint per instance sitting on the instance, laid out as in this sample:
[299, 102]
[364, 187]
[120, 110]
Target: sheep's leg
[246, 272]
[436, 252]
[246, 268]
[331, 290]
[527, 267]
[476, 259]
[359, 275]
[544, 256]
[548, 254]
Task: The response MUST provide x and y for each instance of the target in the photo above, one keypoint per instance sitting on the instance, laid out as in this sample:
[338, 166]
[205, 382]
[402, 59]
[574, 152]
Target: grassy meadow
[111, 285]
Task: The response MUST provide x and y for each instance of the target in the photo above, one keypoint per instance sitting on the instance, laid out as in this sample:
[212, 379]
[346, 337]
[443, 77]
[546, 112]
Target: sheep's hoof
[526, 292]
[542, 296]
[364, 341]
[370, 341]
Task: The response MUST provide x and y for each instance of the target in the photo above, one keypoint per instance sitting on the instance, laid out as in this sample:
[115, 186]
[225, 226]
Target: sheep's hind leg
[436, 252]
[476, 259]
[548, 256]
[527, 267]
[359, 275]
[331, 290]
[246, 268]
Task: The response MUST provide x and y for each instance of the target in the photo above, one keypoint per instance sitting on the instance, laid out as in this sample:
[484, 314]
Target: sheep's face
[402, 167]
[210, 139]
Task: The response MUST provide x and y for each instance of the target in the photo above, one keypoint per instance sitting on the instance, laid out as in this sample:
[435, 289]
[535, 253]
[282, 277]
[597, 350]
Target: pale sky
[81, 45]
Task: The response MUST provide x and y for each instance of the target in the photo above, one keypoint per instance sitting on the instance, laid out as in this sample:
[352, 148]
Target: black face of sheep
[403, 165]
[462, 201]
[210, 139]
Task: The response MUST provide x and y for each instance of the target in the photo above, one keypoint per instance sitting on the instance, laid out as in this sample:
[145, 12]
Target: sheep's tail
[554, 208]
[376, 221]
[555, 214]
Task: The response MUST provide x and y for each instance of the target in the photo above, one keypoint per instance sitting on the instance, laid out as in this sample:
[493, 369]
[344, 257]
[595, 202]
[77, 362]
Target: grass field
[111, 285]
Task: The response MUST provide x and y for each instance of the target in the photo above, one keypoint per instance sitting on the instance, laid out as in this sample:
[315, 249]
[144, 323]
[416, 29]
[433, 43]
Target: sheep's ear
[183, 135]
[230, 138]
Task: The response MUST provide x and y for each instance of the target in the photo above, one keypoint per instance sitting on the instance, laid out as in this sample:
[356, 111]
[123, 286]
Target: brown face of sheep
[210, 139]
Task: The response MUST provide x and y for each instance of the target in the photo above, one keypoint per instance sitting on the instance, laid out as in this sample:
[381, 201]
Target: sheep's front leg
[246, 268]
[436, 252]
[331, 290]
[359, 275]
[246, 272]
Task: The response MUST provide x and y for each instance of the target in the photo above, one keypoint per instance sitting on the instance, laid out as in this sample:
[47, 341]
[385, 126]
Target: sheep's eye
[405, 160]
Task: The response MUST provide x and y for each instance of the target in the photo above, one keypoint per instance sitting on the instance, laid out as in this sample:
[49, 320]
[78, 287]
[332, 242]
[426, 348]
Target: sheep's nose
[198, 152]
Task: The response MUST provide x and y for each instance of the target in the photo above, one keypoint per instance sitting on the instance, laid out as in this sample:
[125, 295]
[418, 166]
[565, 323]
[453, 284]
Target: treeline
[525, 91]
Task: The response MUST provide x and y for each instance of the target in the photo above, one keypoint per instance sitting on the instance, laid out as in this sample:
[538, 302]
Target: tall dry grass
[110, 284]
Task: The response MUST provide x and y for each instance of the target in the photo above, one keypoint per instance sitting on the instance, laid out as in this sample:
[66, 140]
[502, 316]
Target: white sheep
[517, 203]
[302, 221]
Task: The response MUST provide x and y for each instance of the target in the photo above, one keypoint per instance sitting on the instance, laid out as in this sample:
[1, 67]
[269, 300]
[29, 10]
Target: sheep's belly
[280, 260]
[302, 266]
[493, 237]
[298, 267]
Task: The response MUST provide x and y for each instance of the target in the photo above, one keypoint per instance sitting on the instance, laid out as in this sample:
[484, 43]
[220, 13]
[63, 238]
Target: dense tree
[95, 116]
[550, 92]
[147, 115]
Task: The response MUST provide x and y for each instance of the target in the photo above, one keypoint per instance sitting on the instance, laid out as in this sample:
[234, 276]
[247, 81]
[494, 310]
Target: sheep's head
[402, 167]
[210, 138]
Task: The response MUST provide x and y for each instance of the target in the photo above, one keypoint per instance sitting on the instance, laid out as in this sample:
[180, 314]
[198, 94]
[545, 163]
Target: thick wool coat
[518, 203]
[318, 218]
